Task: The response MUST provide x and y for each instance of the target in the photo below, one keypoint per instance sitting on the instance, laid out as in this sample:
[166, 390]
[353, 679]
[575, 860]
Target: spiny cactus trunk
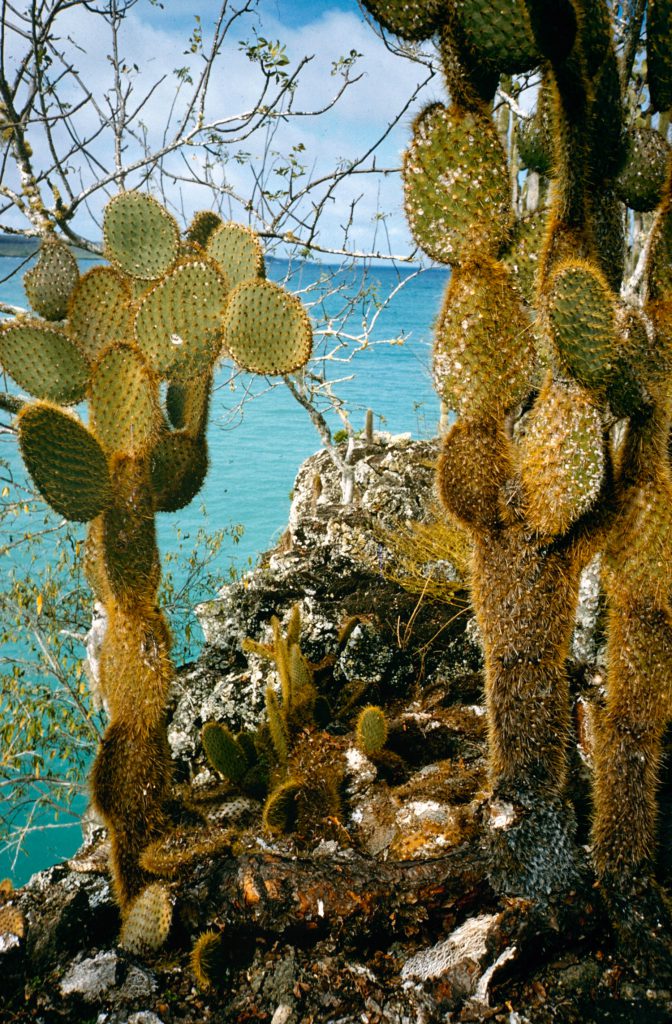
[161, 312]
[532, 477]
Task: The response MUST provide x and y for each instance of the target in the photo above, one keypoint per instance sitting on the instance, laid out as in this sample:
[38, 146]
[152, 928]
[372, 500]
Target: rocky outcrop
[386, 916]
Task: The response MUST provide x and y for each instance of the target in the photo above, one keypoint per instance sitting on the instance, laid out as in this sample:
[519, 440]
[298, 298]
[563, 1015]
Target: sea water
[259, 435]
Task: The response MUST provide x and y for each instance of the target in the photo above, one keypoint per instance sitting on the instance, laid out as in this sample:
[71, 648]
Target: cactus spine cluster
[545, 484]
[153, 323]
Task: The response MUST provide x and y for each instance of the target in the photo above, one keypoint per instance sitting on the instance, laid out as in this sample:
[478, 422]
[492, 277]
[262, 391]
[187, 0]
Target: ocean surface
[259, 434]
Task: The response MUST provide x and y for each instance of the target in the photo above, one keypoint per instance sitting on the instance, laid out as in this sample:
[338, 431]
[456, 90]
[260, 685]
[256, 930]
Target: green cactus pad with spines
[501, 34]
[483, 350]
[562, 459]
[124, 400]
[129, 532]
[147, 921]
[208, 960]
[65, 461]
[178, 324]
[43, 361]
[188, 402]
[281, 811]
[456, 185]
[371, 730]
[178, 466]
[224, 752]
[202, 226]
[522, 258]
[238, 251]
[659, 53]
[641, 183]
[277, 725]
[413, 20]
[50, 282]
[266, 330]
[246, 742]
[141, 237]
[99, 311]
[581, 317]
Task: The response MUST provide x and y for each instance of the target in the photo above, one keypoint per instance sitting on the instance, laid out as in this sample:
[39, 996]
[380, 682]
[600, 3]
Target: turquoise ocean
[256, 448]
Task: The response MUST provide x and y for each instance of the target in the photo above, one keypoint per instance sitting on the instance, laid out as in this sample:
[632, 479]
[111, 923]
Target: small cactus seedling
[153, 322]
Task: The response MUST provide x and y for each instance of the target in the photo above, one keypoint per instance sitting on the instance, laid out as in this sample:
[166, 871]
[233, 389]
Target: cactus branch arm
[633, 28]
[10, 403]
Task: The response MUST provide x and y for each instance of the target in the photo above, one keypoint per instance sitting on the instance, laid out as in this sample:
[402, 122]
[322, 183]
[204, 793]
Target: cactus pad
[562, 458]
[281, 811]
[207, 960]
[65, 461]
[99, 310]
[177, 326]
[141, 238]
[49, 284]
[522, 258]
[238, 251]
[456, 184]
[641, 183]
[371, 730]
[409, 19]
[202, 226]
[473, 468]
[581, 315]
[147, 922]
[124, 400]
[43, 361]
[639, 546]
[187, 404]
[501, 34]
[224, 752]
[659, 53]
[266, 329]
[483, 353]
[178, 465]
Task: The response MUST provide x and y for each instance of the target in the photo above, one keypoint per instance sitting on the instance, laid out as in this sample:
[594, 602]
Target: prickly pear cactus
[538, 377]
[153, 322]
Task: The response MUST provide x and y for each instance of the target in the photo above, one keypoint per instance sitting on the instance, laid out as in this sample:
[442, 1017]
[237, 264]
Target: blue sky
[153, 40]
